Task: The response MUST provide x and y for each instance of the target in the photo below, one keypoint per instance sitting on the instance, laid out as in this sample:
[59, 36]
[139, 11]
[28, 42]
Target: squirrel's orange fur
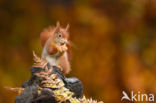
[55, 43]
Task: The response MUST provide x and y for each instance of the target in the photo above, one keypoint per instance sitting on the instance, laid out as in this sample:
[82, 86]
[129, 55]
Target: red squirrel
[55, 43]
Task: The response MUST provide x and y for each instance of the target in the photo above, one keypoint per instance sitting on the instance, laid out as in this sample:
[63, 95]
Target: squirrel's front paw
[64, 48]
[59, 49]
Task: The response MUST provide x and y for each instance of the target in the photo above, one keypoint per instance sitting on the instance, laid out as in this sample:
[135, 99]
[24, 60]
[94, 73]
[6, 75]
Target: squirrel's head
[58, 34]
[61, 35]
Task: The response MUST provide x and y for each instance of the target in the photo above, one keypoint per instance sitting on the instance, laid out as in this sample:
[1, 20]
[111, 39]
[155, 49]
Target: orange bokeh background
[113, 43]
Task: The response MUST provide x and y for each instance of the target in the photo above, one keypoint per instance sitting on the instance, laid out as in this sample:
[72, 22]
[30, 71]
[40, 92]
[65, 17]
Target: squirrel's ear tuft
[67, 27]
[57, 26]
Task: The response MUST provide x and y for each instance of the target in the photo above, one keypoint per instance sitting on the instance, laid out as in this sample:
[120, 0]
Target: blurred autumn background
[114, 43]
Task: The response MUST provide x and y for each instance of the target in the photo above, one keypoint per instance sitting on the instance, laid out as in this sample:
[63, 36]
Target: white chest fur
[50, 58]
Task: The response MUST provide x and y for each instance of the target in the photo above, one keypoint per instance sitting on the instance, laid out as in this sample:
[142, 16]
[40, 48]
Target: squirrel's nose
[64, 41]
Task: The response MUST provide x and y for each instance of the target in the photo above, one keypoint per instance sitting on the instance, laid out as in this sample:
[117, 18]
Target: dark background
[113, 43]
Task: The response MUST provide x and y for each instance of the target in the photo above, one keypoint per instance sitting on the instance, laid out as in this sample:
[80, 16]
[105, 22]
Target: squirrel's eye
[59, 35]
